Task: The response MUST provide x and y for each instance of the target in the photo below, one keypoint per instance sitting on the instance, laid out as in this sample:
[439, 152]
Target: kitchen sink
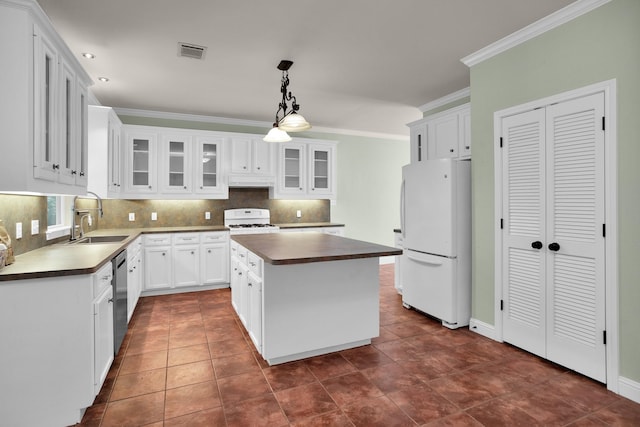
[99, 239]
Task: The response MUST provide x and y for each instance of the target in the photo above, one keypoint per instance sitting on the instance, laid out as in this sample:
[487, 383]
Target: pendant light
[291, 121]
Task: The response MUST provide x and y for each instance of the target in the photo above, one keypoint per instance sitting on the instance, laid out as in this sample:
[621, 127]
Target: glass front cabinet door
[292, 172]
[209, 159]
[176, 170]
[320, 165]
[141, 150]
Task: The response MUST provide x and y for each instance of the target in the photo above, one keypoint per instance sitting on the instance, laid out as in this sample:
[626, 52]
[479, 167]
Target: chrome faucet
[75, 212]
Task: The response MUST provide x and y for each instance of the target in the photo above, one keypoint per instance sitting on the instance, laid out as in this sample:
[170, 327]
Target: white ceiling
[364, 65]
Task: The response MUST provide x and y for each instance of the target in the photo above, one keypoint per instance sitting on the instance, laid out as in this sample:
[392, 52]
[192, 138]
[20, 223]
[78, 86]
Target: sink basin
[99, 239]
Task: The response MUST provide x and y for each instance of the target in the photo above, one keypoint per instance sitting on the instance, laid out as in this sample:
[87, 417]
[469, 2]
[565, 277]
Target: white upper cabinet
[141, 154]
[251, 162]
[104, 136]
[172, 163]
[321, 165]
[176, 175]
[306, 169]
[209, 154]
[442, 135]
[43, 105]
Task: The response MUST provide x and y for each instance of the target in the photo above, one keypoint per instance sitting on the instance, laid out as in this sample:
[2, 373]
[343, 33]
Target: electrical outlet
[298, 213]
[35, 226]
[132, 216]
[18, 230]
[154, 216]
[207, 215]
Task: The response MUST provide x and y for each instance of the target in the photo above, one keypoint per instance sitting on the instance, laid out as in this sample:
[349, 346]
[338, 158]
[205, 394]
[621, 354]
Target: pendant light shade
[294, 122]
[277, 135]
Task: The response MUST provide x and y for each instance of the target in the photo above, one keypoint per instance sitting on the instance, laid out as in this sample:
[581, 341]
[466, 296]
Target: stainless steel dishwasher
[119, 283]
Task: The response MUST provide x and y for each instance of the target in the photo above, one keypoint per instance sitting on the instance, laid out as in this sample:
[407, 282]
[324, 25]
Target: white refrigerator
[435, 214]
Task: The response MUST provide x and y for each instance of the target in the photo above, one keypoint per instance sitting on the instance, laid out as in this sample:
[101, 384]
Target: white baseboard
[629, 389]
[483, 328]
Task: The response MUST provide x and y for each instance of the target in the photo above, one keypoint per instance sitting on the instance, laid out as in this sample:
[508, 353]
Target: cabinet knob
[110, 300]
[536, 245]
[244, 167]
[258, 167]
[185, 187]
[451, 150]
[162, 253]
[73, 172]
[249, 284]
[81, 173]
[55, 166]
[554, 247]
[466, 147]
[131, 270]
[209, 251]
[149, 187]
[201, 187]
[191, 252]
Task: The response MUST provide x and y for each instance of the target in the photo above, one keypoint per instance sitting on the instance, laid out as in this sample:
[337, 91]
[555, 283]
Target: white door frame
[611, 213]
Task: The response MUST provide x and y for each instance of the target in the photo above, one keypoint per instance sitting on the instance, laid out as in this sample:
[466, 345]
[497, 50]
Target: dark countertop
[309, 224]
[64, 259]
[299, 248]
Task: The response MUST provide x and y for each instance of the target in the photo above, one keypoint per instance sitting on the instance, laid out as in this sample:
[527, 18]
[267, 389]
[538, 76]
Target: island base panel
[319, 307]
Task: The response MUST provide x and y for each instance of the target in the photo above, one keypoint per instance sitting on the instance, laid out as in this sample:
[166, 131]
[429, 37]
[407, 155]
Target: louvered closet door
[523, 265]
[575, 214]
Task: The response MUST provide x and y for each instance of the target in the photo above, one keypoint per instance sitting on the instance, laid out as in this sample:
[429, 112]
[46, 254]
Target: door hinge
[603, 122]
[604, 337]
[500, 142]
[501, 223]
[501, 305]
[604, 230]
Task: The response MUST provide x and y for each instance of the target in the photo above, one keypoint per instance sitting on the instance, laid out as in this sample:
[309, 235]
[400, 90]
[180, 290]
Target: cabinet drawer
[242, 254]
[215, 237]
[255, 264]
[102, 279]
[186, 238]
[233, 245]
[157, 239]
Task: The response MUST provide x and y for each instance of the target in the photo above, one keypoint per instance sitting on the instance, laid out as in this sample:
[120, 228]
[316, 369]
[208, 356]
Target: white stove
[249, 221]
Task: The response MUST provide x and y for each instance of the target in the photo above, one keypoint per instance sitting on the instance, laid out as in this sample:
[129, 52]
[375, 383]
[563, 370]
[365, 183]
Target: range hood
[251, 181]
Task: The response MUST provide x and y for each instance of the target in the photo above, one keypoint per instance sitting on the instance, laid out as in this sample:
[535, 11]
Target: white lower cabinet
[102, 326]
[157, 262]
[185, 257]
[246, 291]
[214, 250]
[61, 333]
[185, 260]
[134, 275]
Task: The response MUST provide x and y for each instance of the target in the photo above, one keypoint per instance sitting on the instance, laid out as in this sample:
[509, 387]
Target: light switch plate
[132, 216]
[35, 226]
[207, 215]
[298, 213]
[154, 216]
[18, 230]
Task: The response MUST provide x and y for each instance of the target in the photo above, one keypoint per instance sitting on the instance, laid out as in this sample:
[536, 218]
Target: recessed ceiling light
[103, 79]
[88, 55]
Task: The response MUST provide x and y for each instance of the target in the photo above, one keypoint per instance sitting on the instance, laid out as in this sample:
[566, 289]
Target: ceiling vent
[189, 50]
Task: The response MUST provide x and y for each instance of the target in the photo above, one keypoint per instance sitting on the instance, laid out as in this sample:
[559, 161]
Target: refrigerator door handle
[402, 210]
[422, 260]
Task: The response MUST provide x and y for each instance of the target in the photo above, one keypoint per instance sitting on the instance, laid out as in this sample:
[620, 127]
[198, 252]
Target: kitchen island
[305, 294]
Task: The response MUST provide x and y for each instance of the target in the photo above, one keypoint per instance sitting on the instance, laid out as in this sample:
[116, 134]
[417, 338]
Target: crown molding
[560, 17]
[243, 122]
[447, 99]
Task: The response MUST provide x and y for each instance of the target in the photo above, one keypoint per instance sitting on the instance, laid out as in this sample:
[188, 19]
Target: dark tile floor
[186, 361]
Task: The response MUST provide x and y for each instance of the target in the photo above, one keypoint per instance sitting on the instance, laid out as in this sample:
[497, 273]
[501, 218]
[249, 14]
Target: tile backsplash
[192, 212]
[19, 208]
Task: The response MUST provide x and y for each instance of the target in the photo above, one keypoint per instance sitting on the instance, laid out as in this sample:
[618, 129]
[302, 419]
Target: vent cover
[190, 50]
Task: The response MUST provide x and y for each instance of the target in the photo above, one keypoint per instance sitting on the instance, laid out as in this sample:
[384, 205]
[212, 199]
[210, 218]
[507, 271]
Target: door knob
[536, 245]
[554, 247]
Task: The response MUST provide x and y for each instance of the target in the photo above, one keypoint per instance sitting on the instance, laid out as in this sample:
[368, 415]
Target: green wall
[369, 176]
[601, 45]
